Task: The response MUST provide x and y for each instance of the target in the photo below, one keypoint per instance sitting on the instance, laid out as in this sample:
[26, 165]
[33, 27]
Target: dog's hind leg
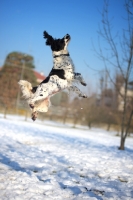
[45, 90]
[34, 115]
[41, 106]
[38, 98]
[78, 76]
[77, 90]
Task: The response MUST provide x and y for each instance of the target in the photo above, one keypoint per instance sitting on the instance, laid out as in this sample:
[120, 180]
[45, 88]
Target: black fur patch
[59, 72]
[77, 74]
[55, 44]
[34, 89]
[45, 80]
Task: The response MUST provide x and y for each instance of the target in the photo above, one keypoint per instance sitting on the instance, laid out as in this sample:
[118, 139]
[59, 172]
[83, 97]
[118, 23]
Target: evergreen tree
[16, 66]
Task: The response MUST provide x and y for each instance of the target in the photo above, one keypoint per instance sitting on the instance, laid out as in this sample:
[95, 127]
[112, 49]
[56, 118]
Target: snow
[48, 161]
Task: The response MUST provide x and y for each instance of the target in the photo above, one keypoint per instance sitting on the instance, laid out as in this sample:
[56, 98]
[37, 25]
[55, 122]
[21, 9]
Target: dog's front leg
[78, 76]
[77, 90]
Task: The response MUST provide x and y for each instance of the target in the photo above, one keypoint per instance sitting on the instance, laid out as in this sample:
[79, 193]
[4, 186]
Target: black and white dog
[62, 76]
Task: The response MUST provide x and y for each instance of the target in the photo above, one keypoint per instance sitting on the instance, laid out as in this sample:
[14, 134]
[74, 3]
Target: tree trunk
[26, 115]
[129, 123]
[122, 144]
[108, 126]
[89, 124]
[65, 116]
[5, 112]
[123, 136]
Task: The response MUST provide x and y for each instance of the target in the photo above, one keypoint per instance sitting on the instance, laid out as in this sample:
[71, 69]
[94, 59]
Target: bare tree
[118, 53]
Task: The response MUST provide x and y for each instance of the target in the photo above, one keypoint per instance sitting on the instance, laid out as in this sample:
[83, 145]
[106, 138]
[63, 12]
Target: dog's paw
[34, 115]
[83, 83]
[31, 106]
[83, 96]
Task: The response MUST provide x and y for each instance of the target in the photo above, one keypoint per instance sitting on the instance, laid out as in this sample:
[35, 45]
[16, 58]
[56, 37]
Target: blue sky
[22, 23]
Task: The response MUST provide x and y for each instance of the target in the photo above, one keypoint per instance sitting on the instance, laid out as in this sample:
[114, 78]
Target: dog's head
[57, 44]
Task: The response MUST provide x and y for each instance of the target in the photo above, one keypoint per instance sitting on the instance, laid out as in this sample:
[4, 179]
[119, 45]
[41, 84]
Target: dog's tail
[26, 89]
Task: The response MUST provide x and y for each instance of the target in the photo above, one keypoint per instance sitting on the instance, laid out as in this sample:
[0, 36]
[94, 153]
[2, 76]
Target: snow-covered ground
[45, 162]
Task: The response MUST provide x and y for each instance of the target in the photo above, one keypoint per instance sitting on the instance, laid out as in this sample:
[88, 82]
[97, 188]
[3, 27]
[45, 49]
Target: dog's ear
[49, 38]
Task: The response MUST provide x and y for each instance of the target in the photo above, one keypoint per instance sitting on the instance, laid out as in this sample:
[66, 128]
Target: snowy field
[45, 162]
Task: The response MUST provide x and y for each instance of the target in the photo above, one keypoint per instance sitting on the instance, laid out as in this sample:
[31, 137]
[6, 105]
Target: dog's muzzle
[67, 37]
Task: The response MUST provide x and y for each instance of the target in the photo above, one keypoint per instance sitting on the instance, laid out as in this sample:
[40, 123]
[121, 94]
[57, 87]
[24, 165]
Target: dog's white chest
[65, 63]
